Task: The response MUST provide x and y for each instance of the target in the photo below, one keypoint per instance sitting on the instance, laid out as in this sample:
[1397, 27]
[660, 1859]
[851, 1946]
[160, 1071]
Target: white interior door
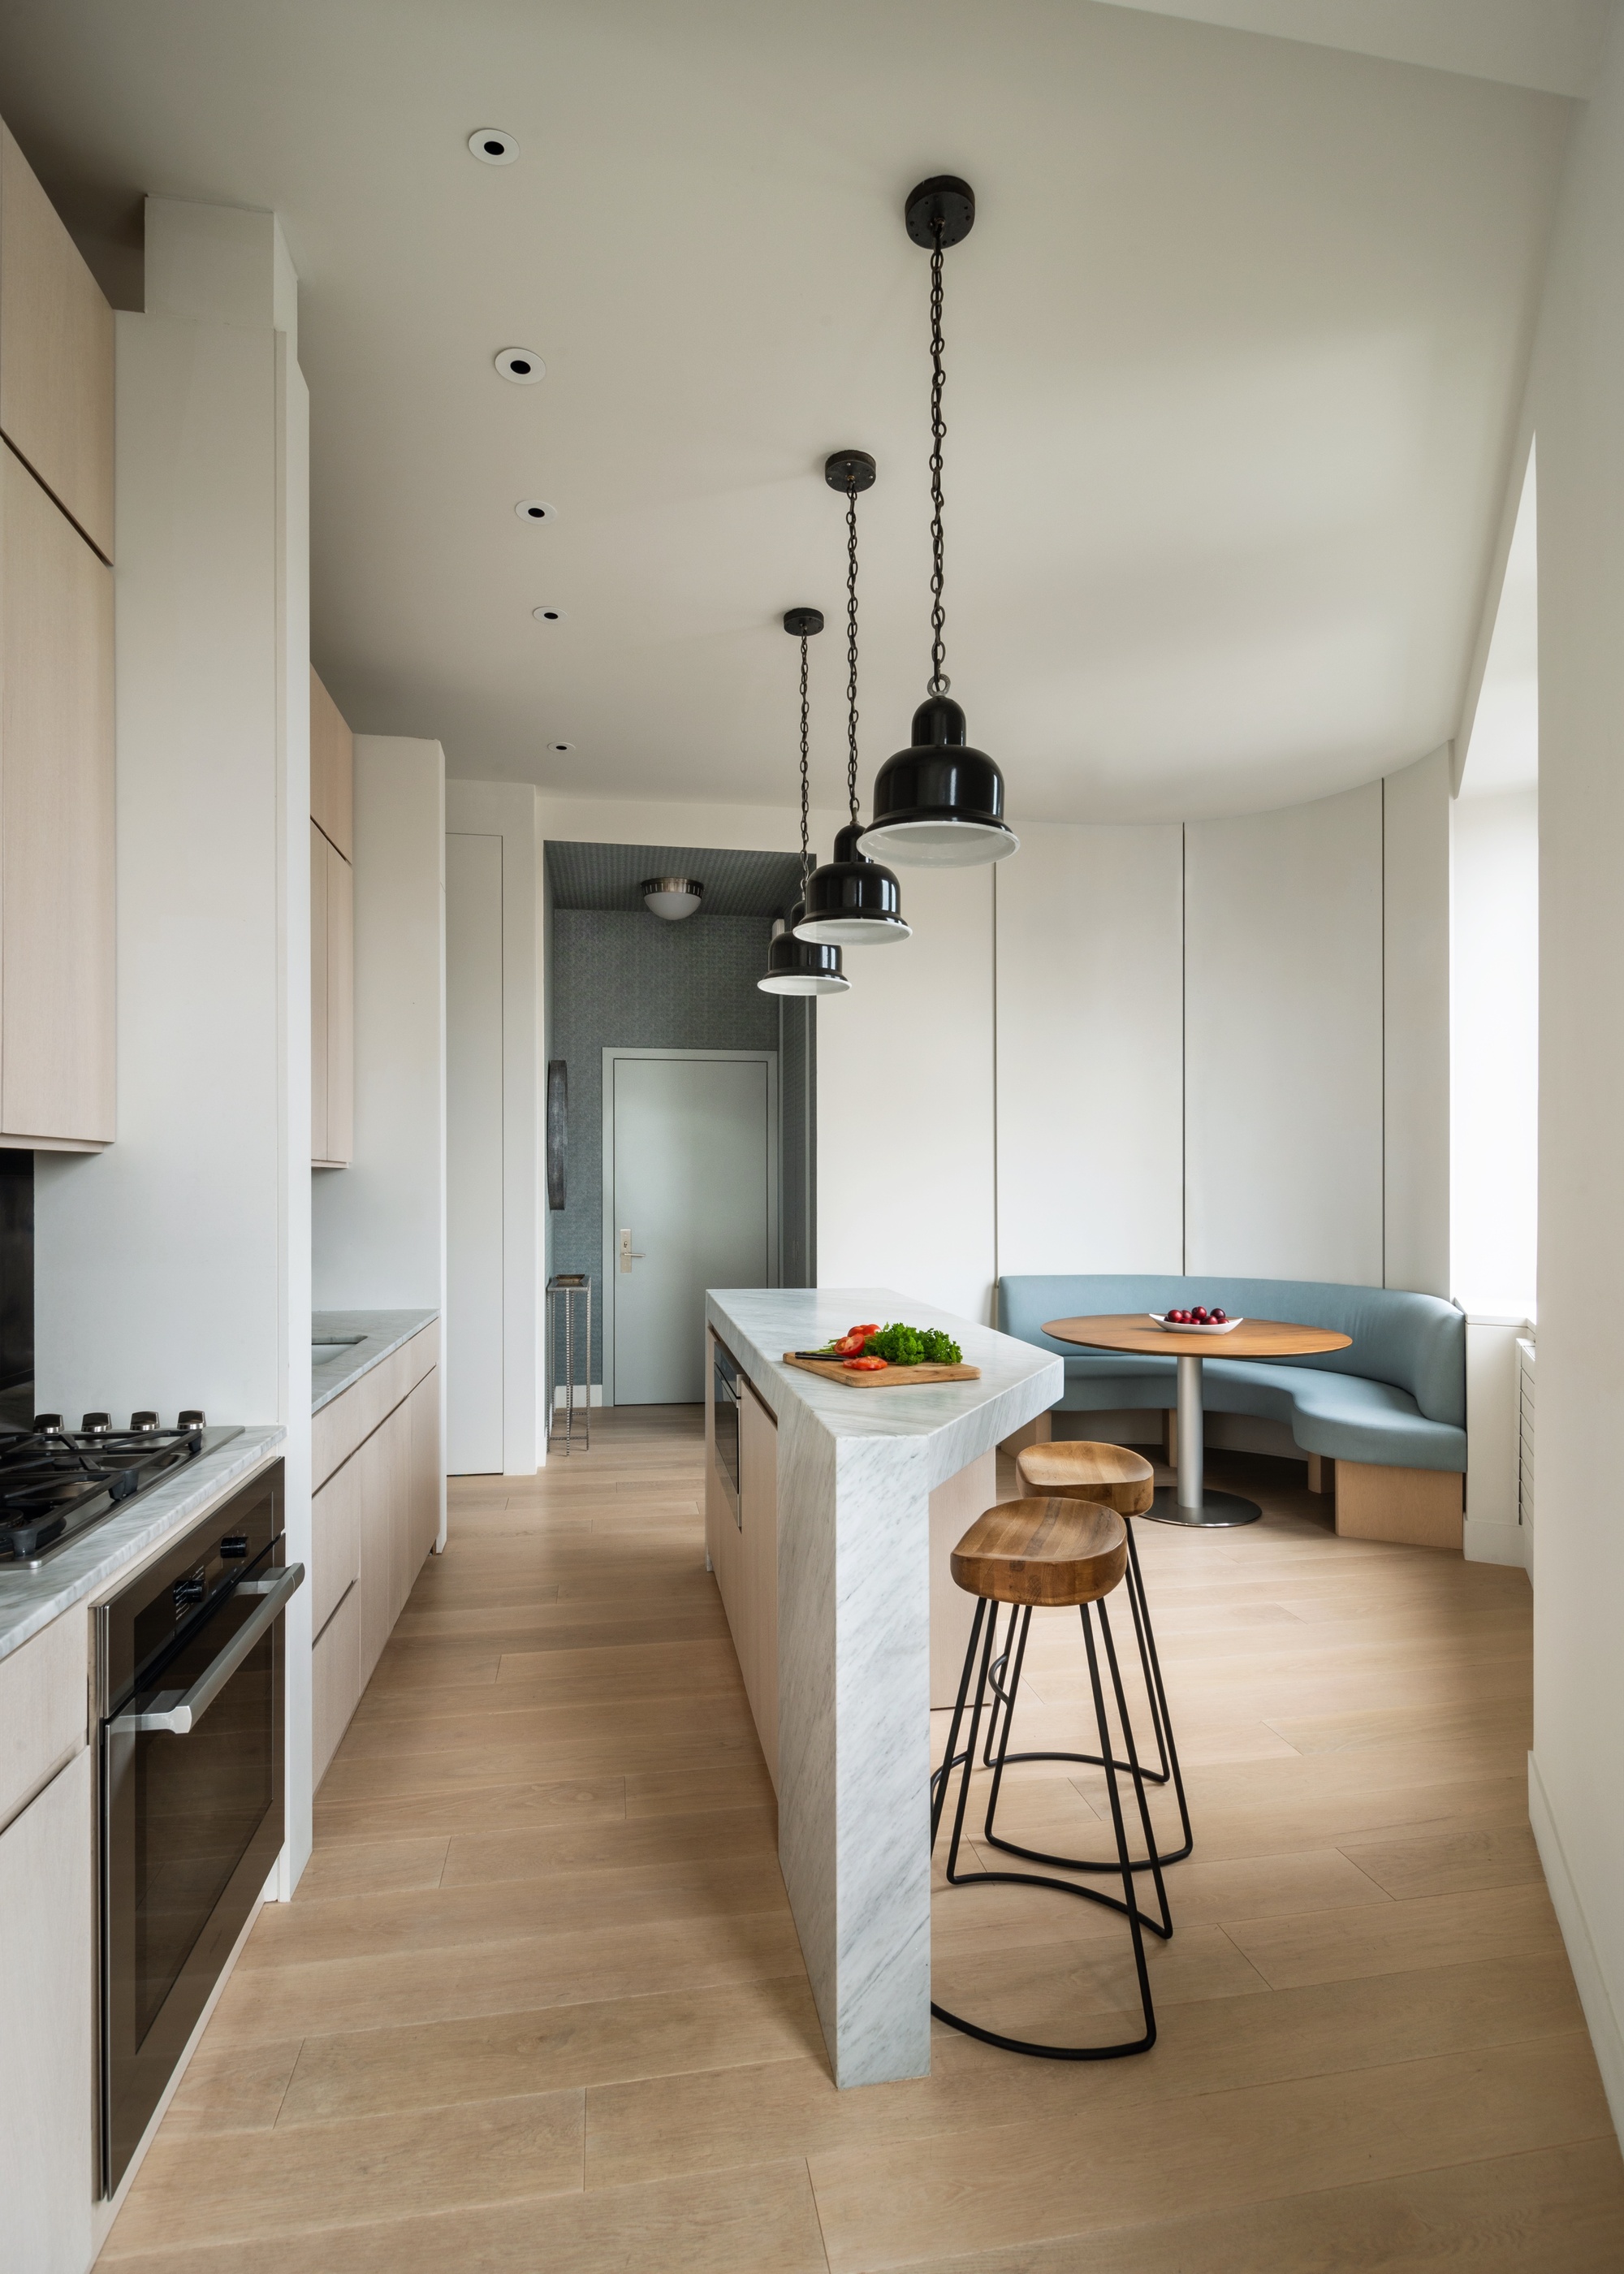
[690, 1146]
[473, 1155]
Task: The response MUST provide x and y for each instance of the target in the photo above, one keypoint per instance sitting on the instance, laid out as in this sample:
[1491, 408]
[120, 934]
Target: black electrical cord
[939, 682]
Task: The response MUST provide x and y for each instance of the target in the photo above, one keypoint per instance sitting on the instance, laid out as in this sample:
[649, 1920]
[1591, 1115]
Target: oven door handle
[179, 1721]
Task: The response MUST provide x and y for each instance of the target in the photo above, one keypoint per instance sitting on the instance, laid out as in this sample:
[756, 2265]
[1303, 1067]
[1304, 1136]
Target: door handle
[629, 1254]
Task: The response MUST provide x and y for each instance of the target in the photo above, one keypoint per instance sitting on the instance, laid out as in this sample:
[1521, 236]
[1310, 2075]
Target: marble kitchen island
[825, 1558]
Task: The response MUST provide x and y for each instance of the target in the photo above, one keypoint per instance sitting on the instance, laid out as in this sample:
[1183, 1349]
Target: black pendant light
[851, 901]
[939, 803]
[800, 967]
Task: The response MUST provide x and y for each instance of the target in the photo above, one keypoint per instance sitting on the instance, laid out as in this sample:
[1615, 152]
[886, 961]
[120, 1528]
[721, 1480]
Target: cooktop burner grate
[56, 1483]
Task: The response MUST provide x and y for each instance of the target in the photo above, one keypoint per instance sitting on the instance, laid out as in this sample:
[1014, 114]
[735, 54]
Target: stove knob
[47, 1425]
[96, 1424]
[191, 1416]
[144, 1419]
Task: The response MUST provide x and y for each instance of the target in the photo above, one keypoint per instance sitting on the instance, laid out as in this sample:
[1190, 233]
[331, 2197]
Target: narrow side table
[565, 1293]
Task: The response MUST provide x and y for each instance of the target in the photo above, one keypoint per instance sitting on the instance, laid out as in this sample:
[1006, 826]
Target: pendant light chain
[806, 846]
[939, 682]
[851, 650]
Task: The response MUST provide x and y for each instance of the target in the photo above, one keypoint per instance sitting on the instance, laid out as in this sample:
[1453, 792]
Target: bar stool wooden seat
[1033, 1554]
[1110, 1476]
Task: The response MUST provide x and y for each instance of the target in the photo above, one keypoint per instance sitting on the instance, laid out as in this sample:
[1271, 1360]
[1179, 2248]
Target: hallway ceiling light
[672, 897]
[548, 615]
[536, 509]
[522, 366]
[802, 966]
[939, 803]
[851, 901]
[492, 146]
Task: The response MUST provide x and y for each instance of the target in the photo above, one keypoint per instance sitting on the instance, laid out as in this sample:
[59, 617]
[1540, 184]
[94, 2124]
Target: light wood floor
[538, 2003]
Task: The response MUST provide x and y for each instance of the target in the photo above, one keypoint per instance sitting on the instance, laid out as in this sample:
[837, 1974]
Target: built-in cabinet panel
[47, 1977]
[374, 1520]
[743, 1550]
[57, 854]
[44, 1709]
[332, 933]
[56, 353]
[332, 771]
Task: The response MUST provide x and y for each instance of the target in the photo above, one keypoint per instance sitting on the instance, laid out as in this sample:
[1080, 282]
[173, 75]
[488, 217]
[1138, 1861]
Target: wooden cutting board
[894, 1377]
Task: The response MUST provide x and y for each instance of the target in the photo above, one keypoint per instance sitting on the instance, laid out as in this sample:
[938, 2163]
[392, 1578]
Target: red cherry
[1178, 1318]
[1198, 1315]
[1219, 1318]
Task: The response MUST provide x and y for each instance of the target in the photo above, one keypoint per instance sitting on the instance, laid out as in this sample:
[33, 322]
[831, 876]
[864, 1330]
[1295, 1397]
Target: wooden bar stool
[1109, 1476]
[1028, 1553]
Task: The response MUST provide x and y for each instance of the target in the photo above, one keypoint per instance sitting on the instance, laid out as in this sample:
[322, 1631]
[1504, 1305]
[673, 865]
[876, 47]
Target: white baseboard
[1494, 1543]
[1600, 2018]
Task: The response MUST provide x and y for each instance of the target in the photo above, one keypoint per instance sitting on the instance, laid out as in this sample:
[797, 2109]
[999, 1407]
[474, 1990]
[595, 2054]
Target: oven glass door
[191, 1825]
[725, 1403]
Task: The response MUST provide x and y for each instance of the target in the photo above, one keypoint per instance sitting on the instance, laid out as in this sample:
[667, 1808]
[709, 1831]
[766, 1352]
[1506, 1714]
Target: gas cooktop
[56, 1483]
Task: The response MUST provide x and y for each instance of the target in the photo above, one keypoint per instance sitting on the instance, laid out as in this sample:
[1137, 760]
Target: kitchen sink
[335, 1347]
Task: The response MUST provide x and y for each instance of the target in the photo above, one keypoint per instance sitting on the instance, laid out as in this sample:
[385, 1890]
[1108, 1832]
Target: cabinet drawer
[335, 1542]
[350, 1420]
[335, 1679]
[44, 1708]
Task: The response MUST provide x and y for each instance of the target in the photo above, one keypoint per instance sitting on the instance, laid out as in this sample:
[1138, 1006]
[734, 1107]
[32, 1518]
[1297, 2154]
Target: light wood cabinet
[56, 354]
[332, 1005]
[332, 934]
[374, 1521]
[56, 850]
[332, 771]
[47, 1977]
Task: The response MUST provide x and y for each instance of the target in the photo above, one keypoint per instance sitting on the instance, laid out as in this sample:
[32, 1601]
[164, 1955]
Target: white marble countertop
[30, 1600]
[381, 1332]
[758, 1324]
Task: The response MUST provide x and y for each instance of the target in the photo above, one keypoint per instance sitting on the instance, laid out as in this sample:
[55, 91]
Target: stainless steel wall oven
[191, 1698]
[724, 1411]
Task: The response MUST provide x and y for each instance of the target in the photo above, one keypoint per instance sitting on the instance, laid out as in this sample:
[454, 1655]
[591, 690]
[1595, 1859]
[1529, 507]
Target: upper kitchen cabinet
[332, 933]
[57, 876]
[332, 771]
[56, 354]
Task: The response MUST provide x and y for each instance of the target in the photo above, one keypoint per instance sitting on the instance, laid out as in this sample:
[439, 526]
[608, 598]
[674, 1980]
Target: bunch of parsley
[902, 1346]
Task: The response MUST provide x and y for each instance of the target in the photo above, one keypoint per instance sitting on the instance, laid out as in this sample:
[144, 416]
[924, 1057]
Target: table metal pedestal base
[1218, 1509]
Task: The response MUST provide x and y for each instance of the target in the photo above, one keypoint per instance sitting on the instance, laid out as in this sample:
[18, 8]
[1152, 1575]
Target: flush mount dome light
[672, 897]
[522, 366]
[548, 615]
[536, 509]
[492, 146]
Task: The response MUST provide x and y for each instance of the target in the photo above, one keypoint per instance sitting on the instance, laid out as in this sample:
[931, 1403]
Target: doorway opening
[729, 1155]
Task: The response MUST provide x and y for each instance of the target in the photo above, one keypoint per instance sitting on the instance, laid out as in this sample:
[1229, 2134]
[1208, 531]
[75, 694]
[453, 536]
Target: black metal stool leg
[1161, 1726]
[983, 1634]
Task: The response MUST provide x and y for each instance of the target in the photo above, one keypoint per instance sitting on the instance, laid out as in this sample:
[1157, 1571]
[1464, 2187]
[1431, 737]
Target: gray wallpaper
[619, 980]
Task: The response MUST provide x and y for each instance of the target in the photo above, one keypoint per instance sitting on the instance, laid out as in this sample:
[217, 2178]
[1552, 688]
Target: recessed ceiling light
[560, 746]
[536, 509]
[522, 366]
[492, 146]
[548, 615]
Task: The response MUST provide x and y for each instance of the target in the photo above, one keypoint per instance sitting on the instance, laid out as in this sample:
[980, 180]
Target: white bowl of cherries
[1199, 1321]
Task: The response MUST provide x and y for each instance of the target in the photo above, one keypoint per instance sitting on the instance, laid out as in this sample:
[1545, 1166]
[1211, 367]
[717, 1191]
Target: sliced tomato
[865, 1365]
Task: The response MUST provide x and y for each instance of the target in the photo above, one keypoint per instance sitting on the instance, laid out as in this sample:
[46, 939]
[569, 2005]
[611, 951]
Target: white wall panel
[1089, 1037]
[905, 1103]
[1284, 1047]
[1415, 1025]
[474, 1339]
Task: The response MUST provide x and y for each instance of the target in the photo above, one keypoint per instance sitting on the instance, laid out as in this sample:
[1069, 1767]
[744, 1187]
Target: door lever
[629, 1254]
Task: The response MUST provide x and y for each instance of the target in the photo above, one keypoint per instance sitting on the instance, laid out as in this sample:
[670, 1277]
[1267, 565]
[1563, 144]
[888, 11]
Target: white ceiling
[1236, 351]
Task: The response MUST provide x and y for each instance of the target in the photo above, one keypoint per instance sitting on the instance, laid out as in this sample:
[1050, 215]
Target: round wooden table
[1189, 1501]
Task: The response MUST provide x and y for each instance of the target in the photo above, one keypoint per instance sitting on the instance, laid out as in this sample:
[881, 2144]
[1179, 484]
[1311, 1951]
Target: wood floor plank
[545, 1881]
[882, 2206]
[341, 2173]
